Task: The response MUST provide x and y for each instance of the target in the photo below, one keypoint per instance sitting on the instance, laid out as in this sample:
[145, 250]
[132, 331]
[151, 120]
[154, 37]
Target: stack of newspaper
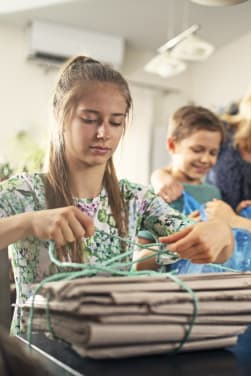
[112, 317]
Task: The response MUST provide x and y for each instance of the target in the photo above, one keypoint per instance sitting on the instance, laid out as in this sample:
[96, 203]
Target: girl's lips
[99, 150]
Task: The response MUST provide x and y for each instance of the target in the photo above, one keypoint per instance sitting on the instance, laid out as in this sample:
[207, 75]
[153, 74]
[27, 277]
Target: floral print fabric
[30, 259]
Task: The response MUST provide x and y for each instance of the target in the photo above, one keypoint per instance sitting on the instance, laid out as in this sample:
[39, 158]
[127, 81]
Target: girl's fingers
[189, 245]
[86, 222]
[77, 229]
[58, 237]
[67, 233]
[190, 242]
[177, 236]
[197, 257]
[213, 239]
[72, 229]
[202, 261]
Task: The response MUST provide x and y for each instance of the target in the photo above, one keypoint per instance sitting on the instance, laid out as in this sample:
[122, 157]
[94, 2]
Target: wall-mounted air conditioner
[54, 43]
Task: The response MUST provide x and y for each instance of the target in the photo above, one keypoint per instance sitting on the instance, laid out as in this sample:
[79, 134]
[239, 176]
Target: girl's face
[193, 156]
[97, 124]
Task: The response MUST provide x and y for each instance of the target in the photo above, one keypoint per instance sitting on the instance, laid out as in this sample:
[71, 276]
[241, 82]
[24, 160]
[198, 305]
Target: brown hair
[189, 119]
[68, 91]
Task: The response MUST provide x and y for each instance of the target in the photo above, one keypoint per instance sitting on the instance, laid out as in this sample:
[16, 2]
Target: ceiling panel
[145, 24]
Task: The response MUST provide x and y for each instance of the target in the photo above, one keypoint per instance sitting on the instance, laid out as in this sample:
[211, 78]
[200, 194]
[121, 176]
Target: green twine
[48, 317]
[113, 267]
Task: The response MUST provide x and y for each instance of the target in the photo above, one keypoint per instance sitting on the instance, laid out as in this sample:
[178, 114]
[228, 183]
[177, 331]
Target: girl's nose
[102, 131]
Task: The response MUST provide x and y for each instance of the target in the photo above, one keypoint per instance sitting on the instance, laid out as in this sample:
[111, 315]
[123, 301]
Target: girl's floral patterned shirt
[30, 258]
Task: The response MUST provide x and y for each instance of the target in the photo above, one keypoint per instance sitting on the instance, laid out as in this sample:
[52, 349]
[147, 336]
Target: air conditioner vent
[48, 57]
[55, 43]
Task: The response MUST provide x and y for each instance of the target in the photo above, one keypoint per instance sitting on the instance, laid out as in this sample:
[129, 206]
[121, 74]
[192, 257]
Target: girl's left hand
[203, 242]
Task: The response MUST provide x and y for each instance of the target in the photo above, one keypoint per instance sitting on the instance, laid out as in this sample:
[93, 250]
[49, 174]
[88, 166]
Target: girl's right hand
[63, 225]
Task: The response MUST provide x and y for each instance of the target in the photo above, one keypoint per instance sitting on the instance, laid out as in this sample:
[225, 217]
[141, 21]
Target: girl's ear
[170, 144]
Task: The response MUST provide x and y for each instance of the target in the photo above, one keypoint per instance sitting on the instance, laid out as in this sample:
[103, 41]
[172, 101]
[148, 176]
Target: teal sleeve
[146, 235]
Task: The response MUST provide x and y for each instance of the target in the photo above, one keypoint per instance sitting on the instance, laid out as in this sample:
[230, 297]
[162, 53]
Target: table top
[235, 361]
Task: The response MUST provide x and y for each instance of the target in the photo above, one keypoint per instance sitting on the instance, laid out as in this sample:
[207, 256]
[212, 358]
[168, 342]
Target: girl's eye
[89, 121]
[115, 124]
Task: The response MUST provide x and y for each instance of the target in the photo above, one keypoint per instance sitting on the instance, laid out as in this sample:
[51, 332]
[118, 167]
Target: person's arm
[63, 225]
[165, 185]
[203, 242]
[221, 210]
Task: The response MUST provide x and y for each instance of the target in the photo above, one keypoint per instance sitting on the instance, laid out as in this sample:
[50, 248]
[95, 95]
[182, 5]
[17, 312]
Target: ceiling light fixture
[178, 38]
[165, 65]
[193, 48]
[184, 46]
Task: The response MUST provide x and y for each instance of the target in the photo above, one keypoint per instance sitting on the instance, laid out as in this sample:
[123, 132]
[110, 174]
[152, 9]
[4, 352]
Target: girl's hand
[202, 243]
[63, 225]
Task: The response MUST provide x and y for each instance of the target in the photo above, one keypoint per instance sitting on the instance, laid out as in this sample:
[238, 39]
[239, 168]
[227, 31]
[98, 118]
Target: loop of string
[115, 266]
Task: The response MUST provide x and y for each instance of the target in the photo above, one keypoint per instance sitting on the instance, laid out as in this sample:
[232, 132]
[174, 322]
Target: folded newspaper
[114, 317]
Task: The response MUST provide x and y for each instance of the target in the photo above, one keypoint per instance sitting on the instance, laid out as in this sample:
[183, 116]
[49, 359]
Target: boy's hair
[189, 119]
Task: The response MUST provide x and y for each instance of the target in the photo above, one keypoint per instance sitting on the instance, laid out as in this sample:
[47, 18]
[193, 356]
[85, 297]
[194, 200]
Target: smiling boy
[194, 138]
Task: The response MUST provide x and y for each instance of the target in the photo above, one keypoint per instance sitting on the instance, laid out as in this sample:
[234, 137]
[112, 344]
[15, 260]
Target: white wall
[132, 159]
[152, 114]
[132, 69]
[165, 106]
[25, 90]
[225, 77]
[215, 83]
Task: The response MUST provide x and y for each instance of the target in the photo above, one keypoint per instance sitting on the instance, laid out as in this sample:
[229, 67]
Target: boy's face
[193, 156]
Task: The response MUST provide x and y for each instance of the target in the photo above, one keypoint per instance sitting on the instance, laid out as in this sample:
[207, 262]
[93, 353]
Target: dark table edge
[49, 360]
